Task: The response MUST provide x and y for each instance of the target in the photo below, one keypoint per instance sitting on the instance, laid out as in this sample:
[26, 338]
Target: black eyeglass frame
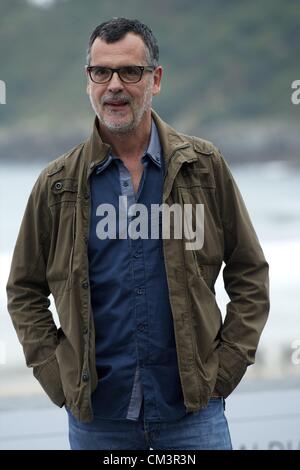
[142, 68]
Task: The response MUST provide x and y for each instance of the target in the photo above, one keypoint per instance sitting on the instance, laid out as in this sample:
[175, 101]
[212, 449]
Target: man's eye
[130, 70]
[100, 72]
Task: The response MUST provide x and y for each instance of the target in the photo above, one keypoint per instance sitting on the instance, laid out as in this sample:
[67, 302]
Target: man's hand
[215, 394]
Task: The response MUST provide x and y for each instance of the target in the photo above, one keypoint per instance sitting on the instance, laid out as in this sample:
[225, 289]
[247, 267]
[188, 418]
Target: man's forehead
[130, 49]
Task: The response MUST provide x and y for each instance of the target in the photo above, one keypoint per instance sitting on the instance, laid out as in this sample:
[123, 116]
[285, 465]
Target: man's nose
[115, 83]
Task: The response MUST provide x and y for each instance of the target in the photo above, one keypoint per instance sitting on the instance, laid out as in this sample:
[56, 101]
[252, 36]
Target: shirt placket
[139, 292]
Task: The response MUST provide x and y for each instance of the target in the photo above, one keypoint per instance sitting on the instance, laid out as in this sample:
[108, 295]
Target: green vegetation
[225, 60]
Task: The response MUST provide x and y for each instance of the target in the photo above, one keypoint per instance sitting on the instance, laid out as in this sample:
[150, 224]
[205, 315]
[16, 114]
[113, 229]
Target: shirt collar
[153, 151]
[154, 147]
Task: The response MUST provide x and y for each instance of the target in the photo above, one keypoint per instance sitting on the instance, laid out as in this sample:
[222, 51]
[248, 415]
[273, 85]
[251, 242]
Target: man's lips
[116, 103]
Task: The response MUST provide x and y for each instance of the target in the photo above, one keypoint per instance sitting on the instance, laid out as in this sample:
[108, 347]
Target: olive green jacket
[50, 256]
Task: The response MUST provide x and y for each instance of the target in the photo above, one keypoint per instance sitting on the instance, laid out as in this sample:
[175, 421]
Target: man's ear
[88, 86]
[157, 76]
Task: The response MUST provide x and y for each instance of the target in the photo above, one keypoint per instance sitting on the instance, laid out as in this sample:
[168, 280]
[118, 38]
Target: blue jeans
[204, 429]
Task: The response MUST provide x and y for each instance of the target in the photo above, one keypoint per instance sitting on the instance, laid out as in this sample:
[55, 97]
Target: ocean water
[271, 191]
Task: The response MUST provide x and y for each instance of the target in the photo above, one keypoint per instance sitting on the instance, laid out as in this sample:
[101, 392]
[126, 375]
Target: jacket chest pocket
[63, 207]
[192, 176]
[63, 192]
[203, 240]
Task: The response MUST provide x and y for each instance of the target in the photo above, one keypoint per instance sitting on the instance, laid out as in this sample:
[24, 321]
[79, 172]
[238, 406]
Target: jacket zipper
[88, 326]
[72, 249]
[198, 269]
[87, 359]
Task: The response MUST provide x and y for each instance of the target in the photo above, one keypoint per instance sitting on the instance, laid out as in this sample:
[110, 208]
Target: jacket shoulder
[202, 146]
[64, 160]
[67, 162]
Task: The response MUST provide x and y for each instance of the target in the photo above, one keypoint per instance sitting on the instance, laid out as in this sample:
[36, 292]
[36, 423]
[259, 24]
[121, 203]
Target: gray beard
[118, 129]
[129, 128]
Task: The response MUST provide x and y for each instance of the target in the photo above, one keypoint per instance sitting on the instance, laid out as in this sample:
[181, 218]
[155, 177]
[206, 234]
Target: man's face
[122, 107]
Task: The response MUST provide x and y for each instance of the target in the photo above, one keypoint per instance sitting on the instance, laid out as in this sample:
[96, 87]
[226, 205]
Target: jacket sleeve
[246, 282]
[28, 292]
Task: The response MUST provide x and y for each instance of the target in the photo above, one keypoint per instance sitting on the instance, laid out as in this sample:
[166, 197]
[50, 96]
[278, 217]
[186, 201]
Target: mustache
[116, 98]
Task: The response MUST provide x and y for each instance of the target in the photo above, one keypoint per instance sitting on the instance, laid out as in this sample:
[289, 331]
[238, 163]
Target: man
[141, 358]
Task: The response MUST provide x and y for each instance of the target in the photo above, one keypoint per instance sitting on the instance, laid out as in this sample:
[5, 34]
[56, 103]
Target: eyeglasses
[128, 74]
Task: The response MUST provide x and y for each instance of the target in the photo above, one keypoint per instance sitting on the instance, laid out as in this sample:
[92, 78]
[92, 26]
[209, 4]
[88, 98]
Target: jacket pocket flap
[64, 184]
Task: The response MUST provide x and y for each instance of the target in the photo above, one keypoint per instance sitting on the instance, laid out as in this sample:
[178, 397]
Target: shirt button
[141, 327]
[125, 183]
[140, 291]
[85, 284]
[85, 376]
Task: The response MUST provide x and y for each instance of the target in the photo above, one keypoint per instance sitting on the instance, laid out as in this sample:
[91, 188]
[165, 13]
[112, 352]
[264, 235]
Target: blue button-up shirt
[136, 355]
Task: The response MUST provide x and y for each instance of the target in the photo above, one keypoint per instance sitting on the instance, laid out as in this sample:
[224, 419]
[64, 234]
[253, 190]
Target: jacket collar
[96, 150]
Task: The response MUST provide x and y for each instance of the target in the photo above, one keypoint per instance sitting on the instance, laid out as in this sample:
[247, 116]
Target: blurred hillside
[228, 72]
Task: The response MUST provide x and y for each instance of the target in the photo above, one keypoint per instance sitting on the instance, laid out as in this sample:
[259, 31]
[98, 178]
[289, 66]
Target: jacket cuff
[48, 375]
[232, 367]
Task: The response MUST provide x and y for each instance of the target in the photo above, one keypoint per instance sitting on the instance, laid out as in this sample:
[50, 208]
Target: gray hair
[113, 30]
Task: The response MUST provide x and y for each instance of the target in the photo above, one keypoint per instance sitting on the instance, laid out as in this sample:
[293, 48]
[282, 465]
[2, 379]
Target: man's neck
[131, 145]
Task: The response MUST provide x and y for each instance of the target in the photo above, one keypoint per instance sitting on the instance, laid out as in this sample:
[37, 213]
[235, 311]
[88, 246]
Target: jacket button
[86, 195]
[85, 376]
[85, 284]
[58, 185]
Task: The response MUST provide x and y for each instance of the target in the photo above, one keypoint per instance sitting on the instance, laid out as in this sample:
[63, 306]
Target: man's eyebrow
[119, 66]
